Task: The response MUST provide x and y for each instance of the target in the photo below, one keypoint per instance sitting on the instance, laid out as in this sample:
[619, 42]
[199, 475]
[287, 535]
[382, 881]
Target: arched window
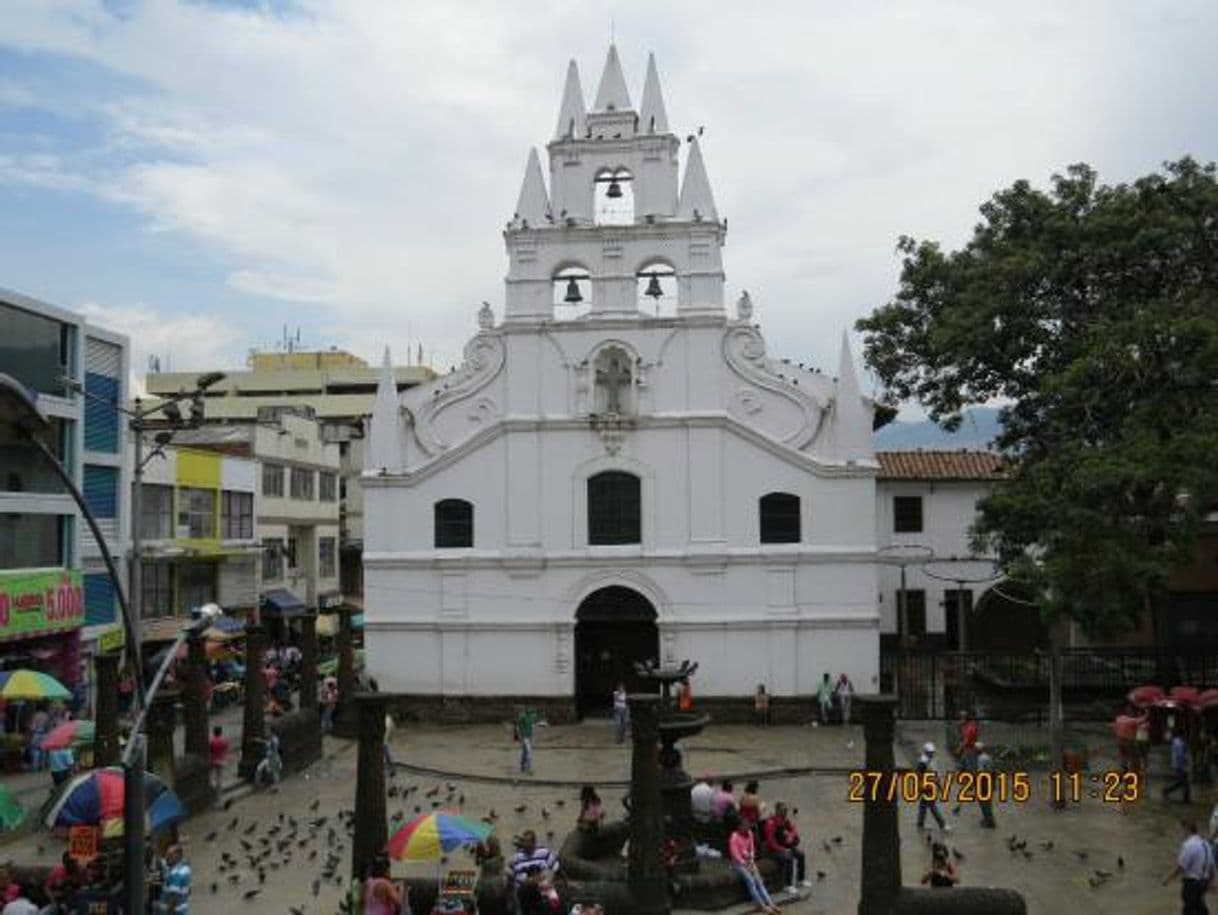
[454, 524]
[779, 517]
[614, 508]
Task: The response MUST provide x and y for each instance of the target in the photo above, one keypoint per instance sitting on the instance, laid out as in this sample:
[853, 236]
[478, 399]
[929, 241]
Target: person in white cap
[926, 763]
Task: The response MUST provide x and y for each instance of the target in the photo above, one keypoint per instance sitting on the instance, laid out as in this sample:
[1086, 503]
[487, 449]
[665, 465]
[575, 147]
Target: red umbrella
[1208, 698]
[1143, 696]
[1185, 694]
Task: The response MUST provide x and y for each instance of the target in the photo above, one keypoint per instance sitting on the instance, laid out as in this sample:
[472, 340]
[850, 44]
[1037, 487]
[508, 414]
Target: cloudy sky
[199, 174]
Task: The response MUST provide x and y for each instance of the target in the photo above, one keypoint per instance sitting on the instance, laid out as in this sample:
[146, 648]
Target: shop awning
[280, 602]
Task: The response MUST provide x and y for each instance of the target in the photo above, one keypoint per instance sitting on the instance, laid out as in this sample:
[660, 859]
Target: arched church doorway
[614, 628]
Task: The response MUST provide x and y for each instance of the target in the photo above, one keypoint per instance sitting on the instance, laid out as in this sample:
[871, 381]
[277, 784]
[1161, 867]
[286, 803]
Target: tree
[1090, 313]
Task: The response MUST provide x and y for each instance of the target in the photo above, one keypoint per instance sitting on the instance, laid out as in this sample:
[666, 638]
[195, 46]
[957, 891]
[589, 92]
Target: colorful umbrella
[31, 684]
[70, 734]
[11, 812]
[430, 835]
[96, 799]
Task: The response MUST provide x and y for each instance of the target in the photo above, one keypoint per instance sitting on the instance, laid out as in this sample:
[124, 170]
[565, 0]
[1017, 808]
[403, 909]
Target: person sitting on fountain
[702, 800]
[591, 811]
[724, 807]
[780, 841]
[529, 856]
[742, 850]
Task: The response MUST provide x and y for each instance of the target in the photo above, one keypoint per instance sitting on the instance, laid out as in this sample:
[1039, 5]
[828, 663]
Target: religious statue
[614, 377]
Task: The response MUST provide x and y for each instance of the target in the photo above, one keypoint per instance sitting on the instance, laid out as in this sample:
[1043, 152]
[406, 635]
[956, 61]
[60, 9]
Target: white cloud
[182, 342]
[359, 158]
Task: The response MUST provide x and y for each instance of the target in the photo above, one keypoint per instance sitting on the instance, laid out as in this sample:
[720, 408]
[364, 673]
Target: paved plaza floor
[808, 767]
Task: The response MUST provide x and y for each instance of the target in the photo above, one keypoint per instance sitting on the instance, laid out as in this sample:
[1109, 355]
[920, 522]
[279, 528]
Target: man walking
[621, 713]
[1179, 765]
[985, 763]
[525, 725]
[1195, 868]
[928, 801]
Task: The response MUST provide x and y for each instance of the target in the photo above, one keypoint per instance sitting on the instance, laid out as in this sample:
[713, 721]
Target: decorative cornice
[670, 625]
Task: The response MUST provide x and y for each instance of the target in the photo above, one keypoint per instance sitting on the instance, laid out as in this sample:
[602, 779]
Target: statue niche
[614, 383]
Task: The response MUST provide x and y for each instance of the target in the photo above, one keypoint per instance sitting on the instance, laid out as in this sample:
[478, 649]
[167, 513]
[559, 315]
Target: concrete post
[881, 856]
[371, 827]
[344, 713]
[308, 665]
[645, 866]
[105, 714]
[160, 724]
[253, 726]
[194, 699]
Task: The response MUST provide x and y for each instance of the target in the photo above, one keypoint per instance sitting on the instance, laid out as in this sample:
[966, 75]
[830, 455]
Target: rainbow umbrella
[31, 684]
[430, 835]
[96, 799]
[11, 812]
[70, 734]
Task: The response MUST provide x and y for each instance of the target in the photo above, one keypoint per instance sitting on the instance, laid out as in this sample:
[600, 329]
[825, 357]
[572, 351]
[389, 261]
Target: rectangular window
[156, 512]
[99, 599]
[302, 483]
[327, 557]
[29, 541]
[272, 559]
[914, 612]
[196, 584]
[101, 490]
[23, 467]
[272, 480]
[34, 349]
[237, 515]
[907, 514]
[327, 486]
[614, 508]
[196, 513]
[102, 395]
[292, 556]
[157, 589]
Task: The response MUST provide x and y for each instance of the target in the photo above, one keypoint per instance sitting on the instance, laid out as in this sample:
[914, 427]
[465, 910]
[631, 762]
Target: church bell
[653, 288]
[615, 190]
[573, 296]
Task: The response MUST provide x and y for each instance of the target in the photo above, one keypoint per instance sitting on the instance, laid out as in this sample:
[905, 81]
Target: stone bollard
[194, 698]
[345, 724]
[105, 715]
[645, 866]
[881, 857]
[371, 827]
[253, 723]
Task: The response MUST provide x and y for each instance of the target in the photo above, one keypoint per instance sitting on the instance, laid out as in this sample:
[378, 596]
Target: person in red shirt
[218, 750]
[966, 750]
[1125, 729]
[780, 841]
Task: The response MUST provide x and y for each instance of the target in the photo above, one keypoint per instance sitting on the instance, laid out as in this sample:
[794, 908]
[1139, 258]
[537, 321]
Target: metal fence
[1014, 686]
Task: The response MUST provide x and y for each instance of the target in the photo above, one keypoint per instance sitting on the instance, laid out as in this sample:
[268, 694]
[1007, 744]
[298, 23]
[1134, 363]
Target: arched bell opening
[614, 204]
[572, 291]
[656, 289]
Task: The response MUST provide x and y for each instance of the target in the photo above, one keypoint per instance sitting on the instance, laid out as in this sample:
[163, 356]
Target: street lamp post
[18, 406]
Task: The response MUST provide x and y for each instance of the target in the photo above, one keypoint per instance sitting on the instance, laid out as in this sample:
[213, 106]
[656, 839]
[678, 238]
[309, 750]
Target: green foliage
[1091, 313]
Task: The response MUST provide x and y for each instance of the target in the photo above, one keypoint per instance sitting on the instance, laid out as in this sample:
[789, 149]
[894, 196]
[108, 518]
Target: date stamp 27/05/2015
[967, 787]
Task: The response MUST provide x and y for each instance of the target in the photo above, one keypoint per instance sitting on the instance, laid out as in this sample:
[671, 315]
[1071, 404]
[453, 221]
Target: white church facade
[619, 470]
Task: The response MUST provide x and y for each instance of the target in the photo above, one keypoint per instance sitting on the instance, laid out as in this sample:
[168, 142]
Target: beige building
[338, 388]
[298, 503]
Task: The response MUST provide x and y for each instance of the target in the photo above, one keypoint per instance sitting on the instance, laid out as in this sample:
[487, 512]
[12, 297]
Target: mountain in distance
[977, 432]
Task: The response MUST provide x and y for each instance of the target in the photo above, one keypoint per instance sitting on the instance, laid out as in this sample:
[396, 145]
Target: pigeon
[316, 886]
[560, 803]
[836, 840]
[314, 805]
[210, 837]
[827, 846]
[820, 875]
[957, 854]
[521, 808]
[228, 804]
[1047, 845]
[1082, 855]
[296, 910]
[233, 825]
[1120, 863]
[214, 887]
[250, 894]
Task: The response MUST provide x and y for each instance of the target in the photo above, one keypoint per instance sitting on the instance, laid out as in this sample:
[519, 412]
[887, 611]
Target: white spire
[384, 440]
[533, 205]
[652, 116]
[696, 200]
[851, 416]
[611, 94]
[571, 113]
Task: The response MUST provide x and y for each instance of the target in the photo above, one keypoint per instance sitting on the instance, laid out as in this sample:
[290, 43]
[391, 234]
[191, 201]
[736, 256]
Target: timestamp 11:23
[1109, 786]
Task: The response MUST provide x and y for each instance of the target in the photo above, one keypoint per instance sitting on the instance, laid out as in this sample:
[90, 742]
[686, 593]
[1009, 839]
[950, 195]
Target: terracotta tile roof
[940, 465]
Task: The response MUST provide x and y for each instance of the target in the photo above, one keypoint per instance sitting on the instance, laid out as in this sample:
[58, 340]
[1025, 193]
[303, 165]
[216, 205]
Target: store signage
[37, 603]
[329, 601]
[111, 640]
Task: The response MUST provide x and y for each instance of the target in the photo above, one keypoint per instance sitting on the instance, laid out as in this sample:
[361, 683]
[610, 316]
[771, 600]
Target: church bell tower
[613, 227]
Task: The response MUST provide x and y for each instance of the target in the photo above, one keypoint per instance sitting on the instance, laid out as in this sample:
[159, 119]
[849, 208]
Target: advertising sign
[82, 843]
[38, 603]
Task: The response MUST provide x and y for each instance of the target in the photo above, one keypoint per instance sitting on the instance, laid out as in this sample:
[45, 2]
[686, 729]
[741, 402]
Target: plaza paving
[810, 766]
